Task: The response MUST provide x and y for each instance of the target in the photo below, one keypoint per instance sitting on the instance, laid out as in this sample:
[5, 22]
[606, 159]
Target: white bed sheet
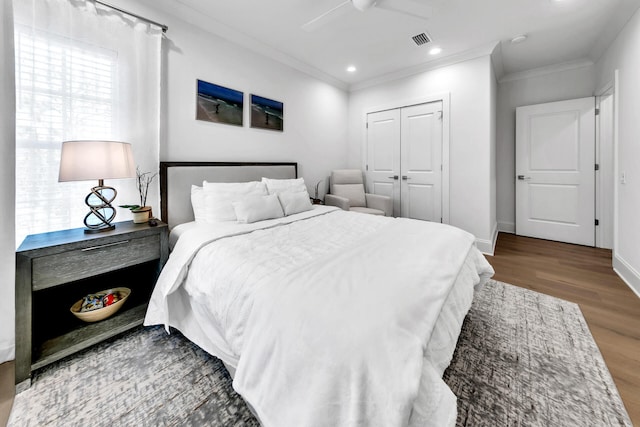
[214, 317]
[178, 231]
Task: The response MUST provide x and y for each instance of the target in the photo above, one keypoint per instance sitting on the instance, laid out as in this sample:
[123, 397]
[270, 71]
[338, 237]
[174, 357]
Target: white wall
[468, 84]
[624, 55]
[528, 89]
[7, 185]
[315, 112]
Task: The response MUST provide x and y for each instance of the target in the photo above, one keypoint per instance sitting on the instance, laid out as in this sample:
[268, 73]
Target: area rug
[523, 359]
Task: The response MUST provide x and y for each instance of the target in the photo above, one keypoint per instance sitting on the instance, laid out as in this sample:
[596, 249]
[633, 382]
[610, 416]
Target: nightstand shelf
[79, 339]
[54, 270]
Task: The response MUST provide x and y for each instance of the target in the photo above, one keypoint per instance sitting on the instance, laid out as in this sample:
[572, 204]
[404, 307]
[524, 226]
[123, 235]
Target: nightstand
[56, 269]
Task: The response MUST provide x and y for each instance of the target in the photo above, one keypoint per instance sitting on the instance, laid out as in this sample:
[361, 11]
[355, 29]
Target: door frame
[443, 97]
[601, 210]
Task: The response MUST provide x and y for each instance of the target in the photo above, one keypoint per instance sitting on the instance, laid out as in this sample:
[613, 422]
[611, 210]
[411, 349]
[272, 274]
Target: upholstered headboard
[176, 179]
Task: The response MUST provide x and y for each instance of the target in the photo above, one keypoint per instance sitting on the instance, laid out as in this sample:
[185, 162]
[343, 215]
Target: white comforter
[331, 332]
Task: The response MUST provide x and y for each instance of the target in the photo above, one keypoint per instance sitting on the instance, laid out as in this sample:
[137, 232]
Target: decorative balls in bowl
[100, 305]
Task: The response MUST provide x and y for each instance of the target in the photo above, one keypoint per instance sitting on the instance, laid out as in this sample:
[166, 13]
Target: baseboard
[488, 247]
[627, 273]
[7, 352]
[507, 227]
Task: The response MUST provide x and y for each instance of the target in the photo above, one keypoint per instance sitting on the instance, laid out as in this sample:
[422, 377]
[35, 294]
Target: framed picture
[219, 104]
[266, 113]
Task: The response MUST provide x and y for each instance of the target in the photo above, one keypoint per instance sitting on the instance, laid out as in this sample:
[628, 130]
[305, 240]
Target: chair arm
[333, 200]
[378, 201]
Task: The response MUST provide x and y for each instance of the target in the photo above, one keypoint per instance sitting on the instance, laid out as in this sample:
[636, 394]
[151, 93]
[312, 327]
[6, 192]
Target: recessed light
[435, 51]
[351, 68]
[519, 39]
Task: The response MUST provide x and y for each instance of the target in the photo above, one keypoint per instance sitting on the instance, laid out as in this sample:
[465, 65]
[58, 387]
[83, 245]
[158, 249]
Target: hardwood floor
[582, 275]
[576, 273]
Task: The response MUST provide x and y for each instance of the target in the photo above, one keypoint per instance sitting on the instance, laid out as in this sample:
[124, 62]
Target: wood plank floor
[575, 273]
[583, 275]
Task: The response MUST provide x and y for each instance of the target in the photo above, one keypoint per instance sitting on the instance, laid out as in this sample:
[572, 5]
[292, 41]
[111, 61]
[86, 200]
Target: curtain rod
[162, 26]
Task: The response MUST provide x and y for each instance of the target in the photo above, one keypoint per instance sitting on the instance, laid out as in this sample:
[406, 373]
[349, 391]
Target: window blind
[64, 89]
[83, 71]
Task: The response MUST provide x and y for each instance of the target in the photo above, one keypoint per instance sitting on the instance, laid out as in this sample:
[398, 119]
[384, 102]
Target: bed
[322, 317]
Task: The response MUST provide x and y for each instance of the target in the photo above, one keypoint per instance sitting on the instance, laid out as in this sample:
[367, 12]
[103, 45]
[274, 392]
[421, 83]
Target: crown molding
[446, 61]
[549, 69]
[209, 24]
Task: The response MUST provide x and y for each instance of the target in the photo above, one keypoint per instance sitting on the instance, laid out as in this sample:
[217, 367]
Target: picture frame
[219, 104]
[267, 113]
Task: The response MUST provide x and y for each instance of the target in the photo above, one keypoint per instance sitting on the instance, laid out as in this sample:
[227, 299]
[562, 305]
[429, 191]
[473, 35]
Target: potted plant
[316, 200]
[142, 212]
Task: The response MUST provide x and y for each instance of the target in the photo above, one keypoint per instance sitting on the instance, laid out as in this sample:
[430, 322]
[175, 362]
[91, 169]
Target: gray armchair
[346, 188]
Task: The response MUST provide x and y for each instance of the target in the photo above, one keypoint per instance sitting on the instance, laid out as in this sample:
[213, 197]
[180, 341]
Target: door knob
[523, 178]
[393, 177]
[405, 177]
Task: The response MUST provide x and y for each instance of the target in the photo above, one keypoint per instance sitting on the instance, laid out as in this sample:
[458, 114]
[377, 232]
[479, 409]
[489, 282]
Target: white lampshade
[90, 160]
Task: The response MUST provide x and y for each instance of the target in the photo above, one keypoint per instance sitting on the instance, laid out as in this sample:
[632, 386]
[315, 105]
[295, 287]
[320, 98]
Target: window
[83, 71]
[66, 90]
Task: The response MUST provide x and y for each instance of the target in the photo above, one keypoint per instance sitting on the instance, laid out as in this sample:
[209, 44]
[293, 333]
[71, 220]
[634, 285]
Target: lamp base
[101, 212]
[99, 230]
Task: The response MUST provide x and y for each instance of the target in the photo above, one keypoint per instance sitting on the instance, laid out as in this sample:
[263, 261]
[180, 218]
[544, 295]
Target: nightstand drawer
[53, 270]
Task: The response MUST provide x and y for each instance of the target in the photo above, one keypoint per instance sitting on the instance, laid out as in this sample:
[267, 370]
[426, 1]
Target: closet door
[421, 162]
[383, 155]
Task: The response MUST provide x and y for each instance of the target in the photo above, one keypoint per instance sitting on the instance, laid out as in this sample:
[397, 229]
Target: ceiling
[378, 41]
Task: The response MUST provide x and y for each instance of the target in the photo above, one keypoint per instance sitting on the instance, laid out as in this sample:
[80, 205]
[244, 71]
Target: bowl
[104, 312]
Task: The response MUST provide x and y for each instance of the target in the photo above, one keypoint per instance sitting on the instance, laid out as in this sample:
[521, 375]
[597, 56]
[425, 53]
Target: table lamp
[90, 160]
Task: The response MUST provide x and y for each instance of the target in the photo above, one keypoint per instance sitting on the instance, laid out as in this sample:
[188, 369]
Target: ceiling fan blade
[328, 16]
[417, 9]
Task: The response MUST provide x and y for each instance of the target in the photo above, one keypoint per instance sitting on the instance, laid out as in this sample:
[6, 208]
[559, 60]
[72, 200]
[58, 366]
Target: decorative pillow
[197, 203]
[257, 208]
[275, 186]
[293, 203]
[353, 192]
[219, 196]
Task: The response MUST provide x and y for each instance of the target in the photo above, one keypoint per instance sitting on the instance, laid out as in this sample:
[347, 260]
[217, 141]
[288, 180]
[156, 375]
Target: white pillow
[197, 203]
[257, 208]
[219, 196]
[293, 203]
[234, 187]
[275, 186]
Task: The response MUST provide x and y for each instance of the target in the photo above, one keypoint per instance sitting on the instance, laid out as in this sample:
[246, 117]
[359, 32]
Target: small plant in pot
[142, 212]
[316, 200]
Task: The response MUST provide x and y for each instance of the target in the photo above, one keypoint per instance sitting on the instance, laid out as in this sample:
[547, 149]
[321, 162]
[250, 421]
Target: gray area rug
[528, 359]
[523, 359]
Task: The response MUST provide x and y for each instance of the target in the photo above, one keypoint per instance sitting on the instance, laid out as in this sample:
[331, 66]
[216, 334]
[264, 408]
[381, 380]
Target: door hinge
[597, 167]
[597, 111]
[440, 115]
[367, 125]
[597, 222]
[366, 167]
[440, 220]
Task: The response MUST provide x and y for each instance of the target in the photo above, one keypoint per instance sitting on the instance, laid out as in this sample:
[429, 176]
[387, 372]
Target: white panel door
[421, 162]
[383, 154]
[555, 171]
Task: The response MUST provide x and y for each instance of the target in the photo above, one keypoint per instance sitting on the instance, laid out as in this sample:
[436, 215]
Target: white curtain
[83, 71]
[7, 185]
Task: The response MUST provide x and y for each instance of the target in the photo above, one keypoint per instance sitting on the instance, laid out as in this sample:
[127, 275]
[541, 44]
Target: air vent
[421, 39]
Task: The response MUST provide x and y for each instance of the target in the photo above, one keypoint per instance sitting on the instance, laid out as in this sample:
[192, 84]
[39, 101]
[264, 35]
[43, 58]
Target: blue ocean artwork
[219, 104]
[266, 113]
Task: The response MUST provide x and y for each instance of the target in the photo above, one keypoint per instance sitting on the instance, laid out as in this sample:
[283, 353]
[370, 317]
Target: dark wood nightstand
[56, 269]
